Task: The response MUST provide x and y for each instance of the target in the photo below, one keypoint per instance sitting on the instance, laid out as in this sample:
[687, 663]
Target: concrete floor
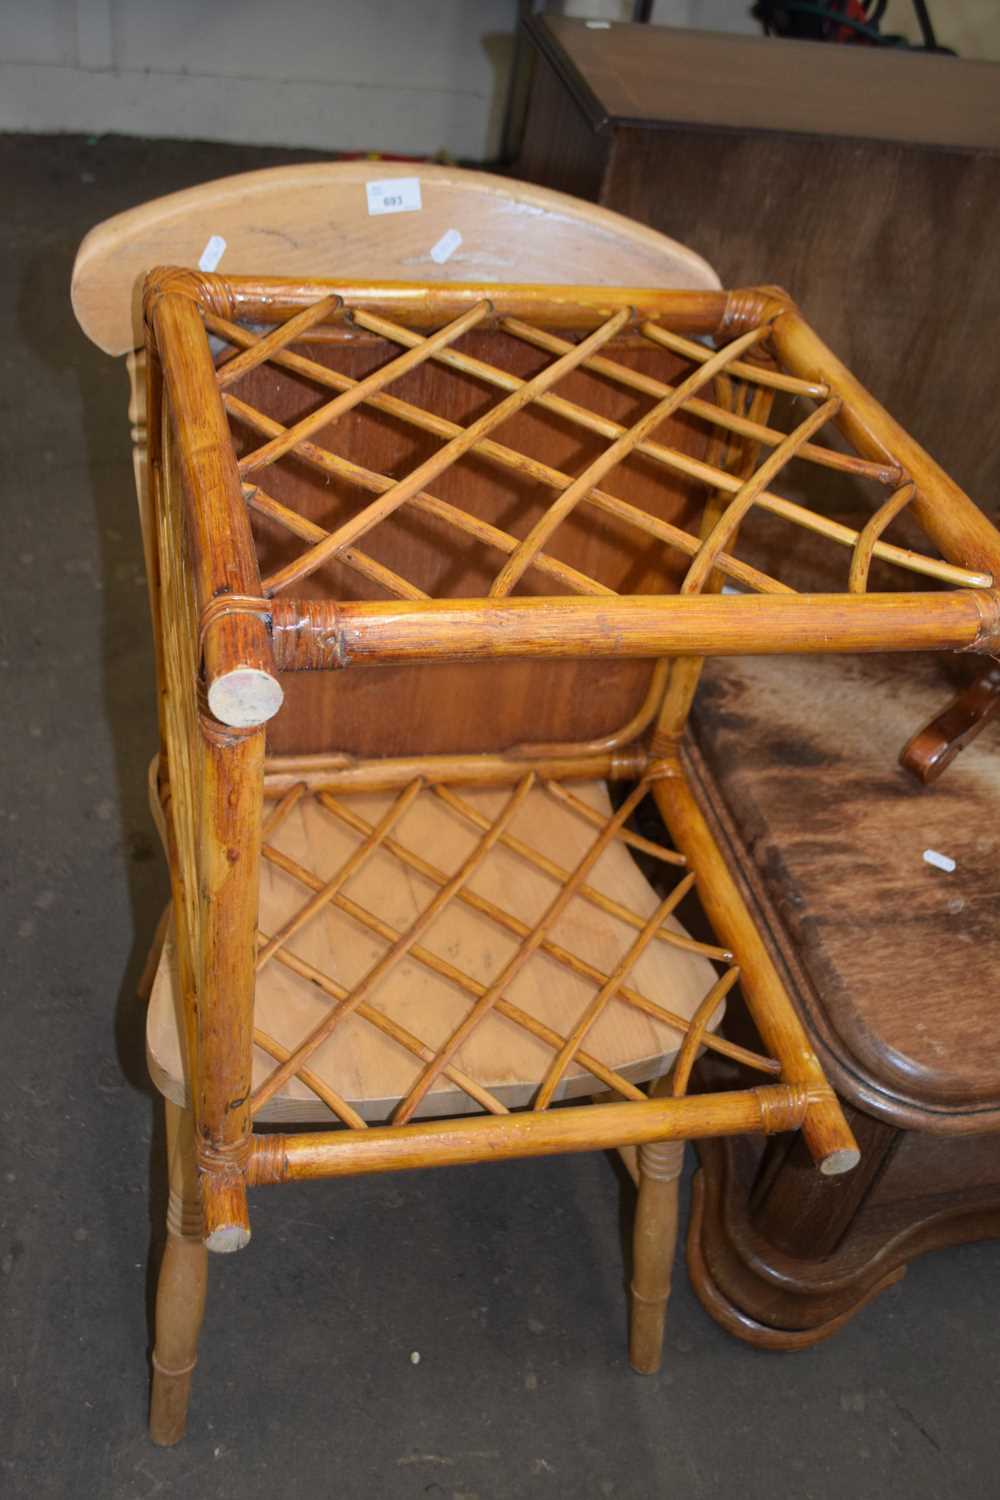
[507, 1280]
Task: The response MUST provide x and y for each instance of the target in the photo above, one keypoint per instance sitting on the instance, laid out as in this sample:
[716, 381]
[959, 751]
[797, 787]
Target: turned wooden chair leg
[654, 1244]
[180, 1292]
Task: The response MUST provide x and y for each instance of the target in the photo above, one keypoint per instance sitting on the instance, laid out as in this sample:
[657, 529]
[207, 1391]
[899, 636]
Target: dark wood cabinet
[891, 962]
[865, 182]
[868, 185]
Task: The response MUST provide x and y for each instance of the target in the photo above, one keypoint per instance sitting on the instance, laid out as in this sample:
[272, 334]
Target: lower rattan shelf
[389, 919]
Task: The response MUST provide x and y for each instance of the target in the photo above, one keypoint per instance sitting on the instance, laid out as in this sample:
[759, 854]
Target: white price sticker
[212, 253]
[446, 246]
[395, 195]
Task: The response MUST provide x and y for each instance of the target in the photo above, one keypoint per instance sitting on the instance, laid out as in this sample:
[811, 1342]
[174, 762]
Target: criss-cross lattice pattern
[422, 951]
[687, 433]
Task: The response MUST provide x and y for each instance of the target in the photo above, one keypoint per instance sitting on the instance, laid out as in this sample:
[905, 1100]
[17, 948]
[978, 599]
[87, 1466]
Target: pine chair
[408, 906]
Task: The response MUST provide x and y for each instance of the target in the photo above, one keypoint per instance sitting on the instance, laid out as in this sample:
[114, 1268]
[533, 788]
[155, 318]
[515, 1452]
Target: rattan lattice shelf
[367, 942]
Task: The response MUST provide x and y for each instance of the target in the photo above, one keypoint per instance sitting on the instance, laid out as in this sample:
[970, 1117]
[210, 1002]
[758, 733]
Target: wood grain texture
[891, 316]
[660, 76]
[325, 636]
[559, 137]
[768, 1300]
[803, 757]
[933, 748]
[931, 1193]
[181, 1285]
[877, 238]
[803, 1214]
[313, 220]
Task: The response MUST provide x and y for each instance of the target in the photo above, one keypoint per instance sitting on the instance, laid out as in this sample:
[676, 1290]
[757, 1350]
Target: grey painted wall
[395, 75]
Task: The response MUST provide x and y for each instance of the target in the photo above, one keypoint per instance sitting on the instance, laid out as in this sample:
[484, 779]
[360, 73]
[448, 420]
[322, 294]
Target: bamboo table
[430, 565]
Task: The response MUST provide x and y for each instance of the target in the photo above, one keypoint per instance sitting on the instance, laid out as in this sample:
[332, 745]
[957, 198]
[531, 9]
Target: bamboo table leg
[180, 1292]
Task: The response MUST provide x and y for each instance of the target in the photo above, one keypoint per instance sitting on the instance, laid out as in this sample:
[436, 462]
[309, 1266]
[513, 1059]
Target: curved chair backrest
[314, 221]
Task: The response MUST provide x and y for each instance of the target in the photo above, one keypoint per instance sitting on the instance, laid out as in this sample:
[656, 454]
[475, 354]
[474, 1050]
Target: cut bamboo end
[245, 697]
[828, 1137]
[227, 1221]
[845, 1159]
[227, 1239]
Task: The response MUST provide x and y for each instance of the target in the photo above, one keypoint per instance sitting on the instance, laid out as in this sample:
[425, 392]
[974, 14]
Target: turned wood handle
[933, 748]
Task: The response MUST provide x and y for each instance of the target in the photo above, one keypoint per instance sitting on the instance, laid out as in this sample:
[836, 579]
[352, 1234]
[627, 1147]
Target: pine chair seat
[578, 982]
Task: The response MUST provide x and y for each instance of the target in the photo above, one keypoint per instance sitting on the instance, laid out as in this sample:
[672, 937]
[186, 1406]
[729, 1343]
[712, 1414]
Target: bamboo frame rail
[419, 304]
[946, 513]
[242, 689]
[449, 1143]
[311, 635]
[779, 1026]
[719, 397]
[344, 773]
[738, 452]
